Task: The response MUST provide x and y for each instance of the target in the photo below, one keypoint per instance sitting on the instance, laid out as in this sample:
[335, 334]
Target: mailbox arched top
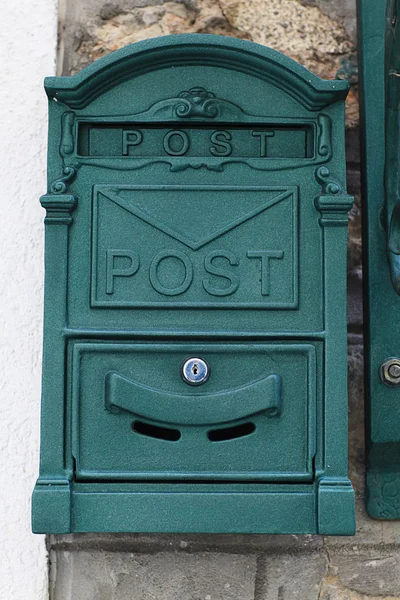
[77, 91]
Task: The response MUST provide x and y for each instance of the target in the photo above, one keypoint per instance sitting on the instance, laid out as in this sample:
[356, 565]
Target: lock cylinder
[195, 371]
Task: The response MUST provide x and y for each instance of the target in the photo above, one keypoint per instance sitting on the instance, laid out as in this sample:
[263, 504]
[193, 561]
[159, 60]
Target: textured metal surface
[196, 208]
[379, 39]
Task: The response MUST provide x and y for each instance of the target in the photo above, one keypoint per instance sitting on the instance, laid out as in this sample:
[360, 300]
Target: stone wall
[321, 34]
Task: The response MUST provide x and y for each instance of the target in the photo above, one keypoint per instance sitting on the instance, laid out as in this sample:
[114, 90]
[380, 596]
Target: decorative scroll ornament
[333, 203]
[329, 185]
[60, 186]
[67, 142]
[197, 102]
[324, 136]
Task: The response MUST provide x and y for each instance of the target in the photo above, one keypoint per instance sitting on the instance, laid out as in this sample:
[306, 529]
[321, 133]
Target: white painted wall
[28, 37]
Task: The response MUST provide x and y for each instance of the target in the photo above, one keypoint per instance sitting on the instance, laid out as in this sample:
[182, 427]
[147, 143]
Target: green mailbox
[194, 368]
[379, 35]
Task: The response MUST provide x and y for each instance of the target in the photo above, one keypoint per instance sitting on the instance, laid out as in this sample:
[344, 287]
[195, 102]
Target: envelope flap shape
[195, 215]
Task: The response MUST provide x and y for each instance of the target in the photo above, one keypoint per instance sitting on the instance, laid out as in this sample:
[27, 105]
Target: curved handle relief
[263, 395]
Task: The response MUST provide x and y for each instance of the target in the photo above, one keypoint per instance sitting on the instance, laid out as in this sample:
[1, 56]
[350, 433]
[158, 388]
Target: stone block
[370, 573]
[340, 10]
[353, 146]
[356, 417]
[290, 576]
[100, 575]
[354, 303]
[355, 235]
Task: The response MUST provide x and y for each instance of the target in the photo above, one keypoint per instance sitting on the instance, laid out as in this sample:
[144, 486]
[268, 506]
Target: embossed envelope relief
[194, 261]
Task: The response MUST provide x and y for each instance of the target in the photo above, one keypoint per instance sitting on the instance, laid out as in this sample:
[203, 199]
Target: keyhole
[195, 371]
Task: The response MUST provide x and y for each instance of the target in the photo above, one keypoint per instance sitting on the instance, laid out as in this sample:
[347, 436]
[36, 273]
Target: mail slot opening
[154, 431]
[231, 433]
[129, 140]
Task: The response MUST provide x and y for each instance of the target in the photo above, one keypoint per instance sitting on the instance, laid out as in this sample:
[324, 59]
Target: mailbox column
[51, 499]
[334, 507]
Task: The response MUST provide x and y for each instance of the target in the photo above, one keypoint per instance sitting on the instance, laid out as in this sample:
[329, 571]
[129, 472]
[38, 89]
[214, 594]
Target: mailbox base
[51, 507]
[326, 508]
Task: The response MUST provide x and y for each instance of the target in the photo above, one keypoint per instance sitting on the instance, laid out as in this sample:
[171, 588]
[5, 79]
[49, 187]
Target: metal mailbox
[194, 368]
[379, 38]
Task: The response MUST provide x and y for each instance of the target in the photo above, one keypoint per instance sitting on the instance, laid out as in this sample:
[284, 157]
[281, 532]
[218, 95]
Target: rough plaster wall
[321, 35]
[27, 49]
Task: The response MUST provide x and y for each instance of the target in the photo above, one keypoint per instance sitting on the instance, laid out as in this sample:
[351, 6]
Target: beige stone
[332, 589]
[152, 21]
[304, 33]
[358, 574]
[343, 11]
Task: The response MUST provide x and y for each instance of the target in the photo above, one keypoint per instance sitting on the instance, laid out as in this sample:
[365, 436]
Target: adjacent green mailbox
[195, 297]
[379, 36]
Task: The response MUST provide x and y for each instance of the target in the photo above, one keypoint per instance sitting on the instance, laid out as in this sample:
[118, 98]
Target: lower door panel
[136, 419]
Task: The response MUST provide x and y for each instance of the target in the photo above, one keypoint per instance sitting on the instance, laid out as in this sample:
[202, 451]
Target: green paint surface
[196, 208]
[379, 62]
